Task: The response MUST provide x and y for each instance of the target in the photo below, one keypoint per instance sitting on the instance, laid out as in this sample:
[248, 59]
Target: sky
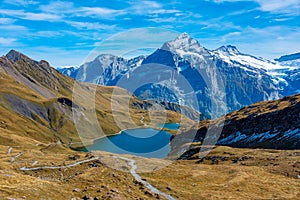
[66, 33]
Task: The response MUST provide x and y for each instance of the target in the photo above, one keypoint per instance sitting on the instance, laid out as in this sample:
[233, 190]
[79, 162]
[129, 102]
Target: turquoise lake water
[146, 142]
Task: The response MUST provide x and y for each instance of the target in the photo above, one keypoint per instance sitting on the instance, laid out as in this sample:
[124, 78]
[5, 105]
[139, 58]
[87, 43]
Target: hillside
[267, 125]
[37, 103]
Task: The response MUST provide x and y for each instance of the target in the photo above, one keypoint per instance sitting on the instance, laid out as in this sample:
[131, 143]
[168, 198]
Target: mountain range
[222, 80]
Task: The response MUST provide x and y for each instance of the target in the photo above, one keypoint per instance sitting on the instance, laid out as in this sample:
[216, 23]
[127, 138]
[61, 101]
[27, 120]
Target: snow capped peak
[183, 41]
[184, 45]
[231, 55]
[229, 49]
[183, 36]
[105, 57]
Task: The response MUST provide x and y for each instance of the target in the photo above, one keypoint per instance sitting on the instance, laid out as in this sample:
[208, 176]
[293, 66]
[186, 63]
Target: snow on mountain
[184, 45]
[268, 124]
[292, 60]
[242, 79]
[68, 70]
[105, 69]
[279, 72]
[231, 55]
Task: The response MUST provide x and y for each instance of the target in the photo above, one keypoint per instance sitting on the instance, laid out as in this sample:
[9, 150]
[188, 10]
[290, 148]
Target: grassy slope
[229, 173]
[235, 174]
[28, 111]
[276, 116]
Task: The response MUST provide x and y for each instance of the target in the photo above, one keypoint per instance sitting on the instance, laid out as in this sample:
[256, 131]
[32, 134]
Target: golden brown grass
[266, 174]
[260, 176]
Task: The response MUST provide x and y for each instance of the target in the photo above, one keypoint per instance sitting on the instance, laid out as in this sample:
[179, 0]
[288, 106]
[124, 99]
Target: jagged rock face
[224, 77]
[104, 70]
[271, 125]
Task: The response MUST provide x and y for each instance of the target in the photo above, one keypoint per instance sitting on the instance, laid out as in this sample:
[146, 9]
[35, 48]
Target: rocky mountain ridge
[266, 125]
[223, 77]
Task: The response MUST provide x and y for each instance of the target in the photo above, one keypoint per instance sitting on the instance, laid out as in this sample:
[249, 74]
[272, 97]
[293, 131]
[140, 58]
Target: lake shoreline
[147, 141]
[82, 145]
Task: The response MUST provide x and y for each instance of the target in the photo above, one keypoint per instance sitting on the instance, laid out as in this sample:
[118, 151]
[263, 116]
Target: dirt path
[59, 167]
[131, 162]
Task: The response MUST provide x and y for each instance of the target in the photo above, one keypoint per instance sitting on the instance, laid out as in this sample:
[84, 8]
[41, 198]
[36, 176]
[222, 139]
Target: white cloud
[281, 19]
[29, 15]
[230, 36]
[216, 24]
[147, 8]
[222, 1]
[150, 8]
[7, 21]
[68, 8]
[49, 34]
[164, 11]
[57, 7]
[288, 7]
[163, 20]
[90, 25]
[13, 28]
[40, 17]
[21, 2]
[99, 12]
[7, 41]
[144, 7]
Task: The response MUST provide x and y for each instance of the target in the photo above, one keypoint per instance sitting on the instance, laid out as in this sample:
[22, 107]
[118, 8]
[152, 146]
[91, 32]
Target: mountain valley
[256, 156]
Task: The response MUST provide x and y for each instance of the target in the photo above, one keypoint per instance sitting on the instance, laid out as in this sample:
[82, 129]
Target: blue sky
[65, 32]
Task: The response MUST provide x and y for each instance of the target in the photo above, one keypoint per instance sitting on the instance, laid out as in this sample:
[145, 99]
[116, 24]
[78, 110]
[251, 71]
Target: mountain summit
[185, 45]
[15, 56]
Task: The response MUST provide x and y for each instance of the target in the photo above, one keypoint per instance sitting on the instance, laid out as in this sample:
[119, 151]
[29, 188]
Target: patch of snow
[183, 53]
[292, 133]
[233, 138]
